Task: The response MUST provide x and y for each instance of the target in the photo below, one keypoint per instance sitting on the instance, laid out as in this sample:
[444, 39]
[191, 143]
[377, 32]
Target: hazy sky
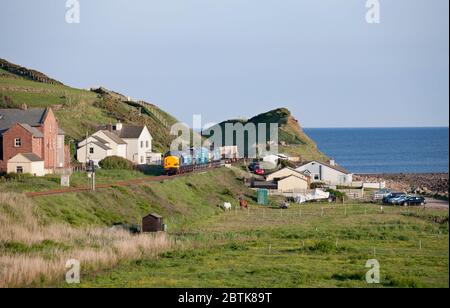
[235, 58]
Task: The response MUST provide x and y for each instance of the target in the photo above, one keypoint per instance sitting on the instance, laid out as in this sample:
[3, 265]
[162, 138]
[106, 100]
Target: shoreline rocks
[430, 184]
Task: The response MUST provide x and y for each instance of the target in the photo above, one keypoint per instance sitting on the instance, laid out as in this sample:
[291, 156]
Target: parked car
[392, 195]
[397, 199]
[380, 194]
[260, 171]
[414, 200]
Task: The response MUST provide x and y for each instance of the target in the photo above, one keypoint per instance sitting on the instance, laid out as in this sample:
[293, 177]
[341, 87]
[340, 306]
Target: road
[436, 204]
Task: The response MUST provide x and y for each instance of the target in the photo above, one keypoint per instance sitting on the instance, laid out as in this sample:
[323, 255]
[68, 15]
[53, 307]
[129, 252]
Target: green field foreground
[317, 245]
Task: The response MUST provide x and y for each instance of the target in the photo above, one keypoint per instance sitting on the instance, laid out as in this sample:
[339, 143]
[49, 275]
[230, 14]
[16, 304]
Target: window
[316, 177]
[142, 144]
[142, 159]
[19, 169]
[146, 144]
[17, 142]
[91, 150]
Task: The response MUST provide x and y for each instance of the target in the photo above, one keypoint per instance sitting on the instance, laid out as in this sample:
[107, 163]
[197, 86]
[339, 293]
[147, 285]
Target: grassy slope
[78, 110]
[181, 201]
[232, 250]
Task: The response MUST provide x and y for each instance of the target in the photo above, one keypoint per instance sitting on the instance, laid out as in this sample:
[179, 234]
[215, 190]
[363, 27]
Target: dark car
[253, 167]
[413, 200]
[387, 199]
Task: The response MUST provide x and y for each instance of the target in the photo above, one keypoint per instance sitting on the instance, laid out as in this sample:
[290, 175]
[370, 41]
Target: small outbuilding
[152, 223]
[26, 163]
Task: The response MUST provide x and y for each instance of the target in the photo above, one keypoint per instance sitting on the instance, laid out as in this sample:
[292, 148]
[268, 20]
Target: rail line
[185, 172]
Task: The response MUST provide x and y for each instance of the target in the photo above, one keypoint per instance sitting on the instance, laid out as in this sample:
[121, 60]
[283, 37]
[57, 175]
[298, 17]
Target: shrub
[116, 162]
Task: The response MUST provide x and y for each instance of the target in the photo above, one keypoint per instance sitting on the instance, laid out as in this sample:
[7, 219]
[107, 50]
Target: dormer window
[17, 142]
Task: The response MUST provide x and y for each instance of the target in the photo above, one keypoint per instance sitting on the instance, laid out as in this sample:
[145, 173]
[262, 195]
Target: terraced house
[31, 142]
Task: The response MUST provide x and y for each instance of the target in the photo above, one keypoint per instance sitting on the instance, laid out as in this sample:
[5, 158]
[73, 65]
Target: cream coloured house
[285, 172]
[128, 141]
[293, 184]
[26, 163]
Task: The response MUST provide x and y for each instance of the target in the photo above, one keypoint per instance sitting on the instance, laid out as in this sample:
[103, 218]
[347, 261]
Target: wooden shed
[152, 223]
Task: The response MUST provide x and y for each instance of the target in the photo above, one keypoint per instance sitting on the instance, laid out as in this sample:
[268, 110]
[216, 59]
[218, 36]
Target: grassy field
[38, 235]
[299, 247]
[304, 246]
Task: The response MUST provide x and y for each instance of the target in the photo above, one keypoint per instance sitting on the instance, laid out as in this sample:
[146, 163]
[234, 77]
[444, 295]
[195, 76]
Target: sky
[237, 58]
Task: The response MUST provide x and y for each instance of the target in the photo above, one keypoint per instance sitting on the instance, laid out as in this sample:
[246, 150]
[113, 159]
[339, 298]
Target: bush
[116, 162]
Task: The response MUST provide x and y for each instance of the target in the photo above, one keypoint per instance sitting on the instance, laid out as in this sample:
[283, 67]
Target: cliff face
[292, 139]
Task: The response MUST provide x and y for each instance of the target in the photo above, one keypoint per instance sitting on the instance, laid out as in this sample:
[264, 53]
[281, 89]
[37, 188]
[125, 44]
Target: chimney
[332, 162]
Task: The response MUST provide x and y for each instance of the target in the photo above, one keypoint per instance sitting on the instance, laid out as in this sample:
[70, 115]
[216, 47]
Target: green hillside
[292, 140]
[79, 110]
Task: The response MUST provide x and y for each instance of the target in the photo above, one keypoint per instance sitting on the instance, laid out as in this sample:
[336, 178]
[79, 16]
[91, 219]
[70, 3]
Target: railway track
[185, 172]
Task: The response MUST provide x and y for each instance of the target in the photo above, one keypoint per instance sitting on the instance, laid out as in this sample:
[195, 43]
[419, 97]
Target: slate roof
[113, 137]
[127, 131]
[99, 144]
[31, 116]
[130, 132]
[31, 157]
[33, 130]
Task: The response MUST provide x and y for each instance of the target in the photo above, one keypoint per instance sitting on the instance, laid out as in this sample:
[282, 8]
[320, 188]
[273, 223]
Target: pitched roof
[101, 140]
[113, 137]
[130, 131]
[31, 116]
[289, 168]
[30, 157]
[61, 131]
[292, 175]
[127, 131]
[33, 130]
[97, 143]
[335, 167]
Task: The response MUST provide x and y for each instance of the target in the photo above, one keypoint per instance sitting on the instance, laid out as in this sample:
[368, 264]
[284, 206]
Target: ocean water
[385, 150]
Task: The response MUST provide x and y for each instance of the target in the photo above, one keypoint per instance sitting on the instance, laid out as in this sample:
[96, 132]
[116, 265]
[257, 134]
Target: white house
[93, 148]
[329, 173]
[128, 141]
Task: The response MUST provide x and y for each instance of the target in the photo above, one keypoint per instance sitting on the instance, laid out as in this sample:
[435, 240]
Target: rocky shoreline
[429, 184]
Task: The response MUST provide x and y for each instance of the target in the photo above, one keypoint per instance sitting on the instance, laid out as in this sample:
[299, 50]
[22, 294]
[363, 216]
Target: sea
[385, 150]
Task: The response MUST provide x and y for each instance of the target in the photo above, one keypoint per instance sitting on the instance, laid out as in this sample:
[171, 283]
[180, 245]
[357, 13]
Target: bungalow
[285, 172]
[329, 173]
[293, 184]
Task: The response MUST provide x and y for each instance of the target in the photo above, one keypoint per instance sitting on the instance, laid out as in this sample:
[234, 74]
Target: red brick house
[34, 132]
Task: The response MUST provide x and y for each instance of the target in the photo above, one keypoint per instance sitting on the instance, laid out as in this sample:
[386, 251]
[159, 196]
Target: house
[100, 145]
[128, 141]
[329, 173]
[31, 131]
[26, 163]
[292, 184]
[285, 172]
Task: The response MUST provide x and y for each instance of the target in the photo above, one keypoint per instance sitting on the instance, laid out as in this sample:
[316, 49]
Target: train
[177, 162]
